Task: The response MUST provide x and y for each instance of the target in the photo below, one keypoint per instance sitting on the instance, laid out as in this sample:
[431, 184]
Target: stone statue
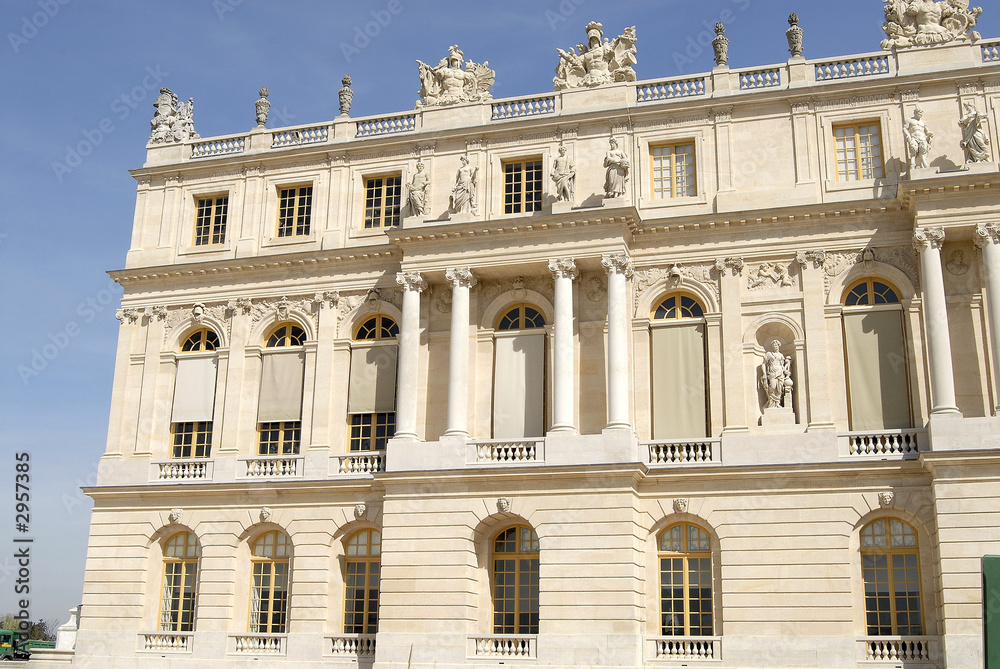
[346, 95]
[263, 107]
[794, 35]
[721, 45]
[564, 176]
[617, 165]
[926, 22]
[776, 375]
[974, 140]
[416, 191]
[463, 195]
[918, 139]
[173, 121]
[449, 84]
[597, 62]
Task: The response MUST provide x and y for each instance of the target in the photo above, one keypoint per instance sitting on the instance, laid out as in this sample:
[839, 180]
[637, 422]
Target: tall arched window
[890, 571]
[193, 409]
[680, 403]
[279, 411]
[270, 557]
[519, 374]
[875, 351]
[371, 398]
[361, 579]
[180, 583]
[515, 581]
[685, 554]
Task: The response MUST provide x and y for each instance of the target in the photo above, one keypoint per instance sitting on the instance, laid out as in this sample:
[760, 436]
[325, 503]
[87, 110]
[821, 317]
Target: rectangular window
[294, 211]
[269, 597]
[522, 186]
[673, 170]
[210, 223]
[382, 201]
[177, 605]
[371, 431]
[279, 438]
[859, 151]
[192, 440]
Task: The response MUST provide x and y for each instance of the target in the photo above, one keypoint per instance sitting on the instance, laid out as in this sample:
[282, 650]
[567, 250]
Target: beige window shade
[194, 390]
[678, 369]
[281, 387]
[876, 370]
[519, 386]
[372, 387]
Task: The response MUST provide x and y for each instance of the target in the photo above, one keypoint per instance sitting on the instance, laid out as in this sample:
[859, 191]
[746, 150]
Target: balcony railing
[991, 51]
[257, 644]
[387, 125]
[688, 648]
[504, 646]
[371, 462]
[221, 146]
[314, 135]
[769, 77]
[676, 453]
[670, 89]
[510, 452]
[907, 649]
[181, 471]
[851, 68]
[166, 642]
[521, 107]
[272, 466]
[885, 444]
[351, 645]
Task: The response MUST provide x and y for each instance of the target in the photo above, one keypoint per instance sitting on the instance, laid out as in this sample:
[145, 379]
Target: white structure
[532, 432]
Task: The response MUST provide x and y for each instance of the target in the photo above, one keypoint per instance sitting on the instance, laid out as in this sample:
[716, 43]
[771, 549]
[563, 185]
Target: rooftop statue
[173, 121]
[597, 62]
[926, 22]
[448, 83]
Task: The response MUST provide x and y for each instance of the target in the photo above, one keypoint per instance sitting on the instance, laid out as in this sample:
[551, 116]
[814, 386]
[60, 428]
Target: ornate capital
[130, 315]
[563, 268]
[159, 313]
[928, 238]
[461, 277]
[817, 258]
[411, 281]
[735, 265]
[987, 234]
[618, 263]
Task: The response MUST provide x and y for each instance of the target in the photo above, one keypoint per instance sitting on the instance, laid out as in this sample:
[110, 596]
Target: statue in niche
[617, 168]
[463, 195]
[600, 61]
[776, 375]
[416, 191]
[926, 22]
[448, 83]
[918, 138]
[173, 121]
[975, 143]
[564, 176]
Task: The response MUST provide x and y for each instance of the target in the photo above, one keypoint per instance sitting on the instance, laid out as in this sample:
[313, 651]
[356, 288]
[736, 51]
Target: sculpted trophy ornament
[975, 143]
[794, 35]
[617, 168]
[597, 62]
[346, 95]
[721, 45]
[776, 375]
[416, 192]
[448, 83]
[463, 195]
[173, 121]
[262, 107]
[918, 138]
[564, 176]
[926, 22]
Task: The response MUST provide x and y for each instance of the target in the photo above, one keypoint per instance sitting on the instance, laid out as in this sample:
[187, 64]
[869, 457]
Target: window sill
[204, 249]
[672, 202]
[294, 240]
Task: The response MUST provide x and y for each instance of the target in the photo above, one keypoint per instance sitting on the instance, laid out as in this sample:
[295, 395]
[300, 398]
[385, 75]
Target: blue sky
[79, 78]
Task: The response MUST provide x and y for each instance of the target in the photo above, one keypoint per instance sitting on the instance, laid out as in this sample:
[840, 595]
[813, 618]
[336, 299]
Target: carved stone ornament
[563, 268]
[173, 122]
[928, 238]
[175, 515]
[198, 312]
[411, 281]
[417, 191]
[597, 62]
[130, 315]
[956, 264]
[564, 176]
[262, 107]
[987, 234]
[463, 194]
[721, 45]
[346, 95]
[817, 258]
[794, 35]
[617, 167]
[265, 514]
[886, 498]
[503, 504]
[595, 289]
[159, 312]
[448, 83]
[776, 376]
[770, 274]
[360, 510]
[910, 23]
[701, 273]
[681, 504]
[242, 305]
[460, 277]
[975, 142]
[734, 265]
[918, 138]
[618, 263]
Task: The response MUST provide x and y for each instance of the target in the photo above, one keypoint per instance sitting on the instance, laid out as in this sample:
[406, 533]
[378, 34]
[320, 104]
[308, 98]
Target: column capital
[460, 277]
[411, 281]
[925, 239]
[817, 258]
[563, 268]
[733, 264]
[987, 234]
[618, 263]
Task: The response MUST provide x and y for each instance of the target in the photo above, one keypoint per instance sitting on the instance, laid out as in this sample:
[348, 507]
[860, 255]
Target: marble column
[927, 242]
[408, 356]
[619, 268]
[988, 240]
[461, 280]
[563, 271]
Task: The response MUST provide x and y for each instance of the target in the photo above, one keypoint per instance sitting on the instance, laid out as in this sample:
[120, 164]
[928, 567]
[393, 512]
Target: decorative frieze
[902, 258]
[769, 275]
[673, 122]
[858, 101]
[489, 291]
[700, 273]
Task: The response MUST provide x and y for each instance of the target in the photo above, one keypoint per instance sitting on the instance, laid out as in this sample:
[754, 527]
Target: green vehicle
[11, 646]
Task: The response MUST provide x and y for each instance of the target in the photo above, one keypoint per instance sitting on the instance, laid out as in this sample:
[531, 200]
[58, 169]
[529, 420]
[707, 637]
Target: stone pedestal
[778, 417]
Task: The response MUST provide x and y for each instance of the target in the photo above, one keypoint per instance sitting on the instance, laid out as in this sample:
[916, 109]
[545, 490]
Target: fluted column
[619, 268]
[988, 240]
[927, 242]
[461, 280]
[409, 356]
[563, 271]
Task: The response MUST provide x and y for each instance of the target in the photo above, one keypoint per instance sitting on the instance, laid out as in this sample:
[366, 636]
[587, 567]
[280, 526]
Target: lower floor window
[192, 440]
[361, 583]
[371, 431]
[269, 594]
[515, 581]
[279, 438]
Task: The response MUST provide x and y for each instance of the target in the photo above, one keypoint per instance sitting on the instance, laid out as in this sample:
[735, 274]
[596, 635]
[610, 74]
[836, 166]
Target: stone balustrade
[899, 444]
[504, 646]
[257, 644]
[166, 642]
[856, 66]
[179, 471]
[521, 107]
[687, 648]
[220, 146]
[298, 137]
[670, 89]
[272, 466]
[510, 452]
[769, 77]
[683, 452]
[351, 645]
[909, 649]
[991, 51]
[387, 125]
[371, 462]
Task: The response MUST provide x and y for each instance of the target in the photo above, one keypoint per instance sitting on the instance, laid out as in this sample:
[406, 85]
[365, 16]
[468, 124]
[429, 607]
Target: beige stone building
[688, 372]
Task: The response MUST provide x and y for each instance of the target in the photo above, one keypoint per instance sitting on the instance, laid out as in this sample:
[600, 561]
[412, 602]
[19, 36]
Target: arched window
[875, 351]
[519, 374]
[201, 340]
[361, 578]
[371, 397]
[279, 411]
[685, 554]
[270, 557]
[515, 581]
[180, 583]
[193, 409]
[890, 571]
[677, 346]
